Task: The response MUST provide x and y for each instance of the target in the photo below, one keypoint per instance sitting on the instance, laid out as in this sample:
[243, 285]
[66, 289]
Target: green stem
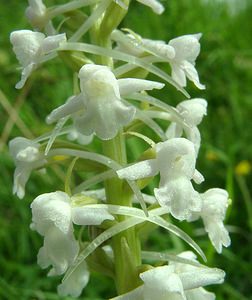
[126, 245]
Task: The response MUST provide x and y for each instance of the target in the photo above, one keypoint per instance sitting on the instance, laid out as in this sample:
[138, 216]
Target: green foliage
[225, 66]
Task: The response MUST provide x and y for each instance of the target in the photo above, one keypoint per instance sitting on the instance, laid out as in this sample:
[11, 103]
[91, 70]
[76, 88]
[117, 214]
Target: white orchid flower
[155, 5]
[175, 161]
[53, 215]
[175, 282]
[214, 207]
[187, 49]
[57, 209]
[180, 52]
[30, 48]
[36, 13]
[52, 218]
[74, 284]
[27, 157]
[215, 204]
[192, 111]
[98, 108]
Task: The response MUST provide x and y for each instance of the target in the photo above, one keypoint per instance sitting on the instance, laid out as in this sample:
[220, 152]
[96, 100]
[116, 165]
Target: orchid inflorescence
[108, 108]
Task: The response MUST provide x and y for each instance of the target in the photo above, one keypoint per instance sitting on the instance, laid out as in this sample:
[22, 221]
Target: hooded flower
[30, 48]
[214, 207]
[192, 111]
[175, 161]
[98, 108]
[180, 52]
[53, 215]
[175, 282]
[27, 157]
[187, 49]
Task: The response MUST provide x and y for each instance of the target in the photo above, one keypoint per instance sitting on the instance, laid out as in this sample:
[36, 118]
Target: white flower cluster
[103, 109]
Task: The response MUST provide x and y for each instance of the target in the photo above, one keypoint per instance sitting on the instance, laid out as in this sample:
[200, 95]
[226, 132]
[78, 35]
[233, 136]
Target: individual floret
[98, 108]
[31, 48]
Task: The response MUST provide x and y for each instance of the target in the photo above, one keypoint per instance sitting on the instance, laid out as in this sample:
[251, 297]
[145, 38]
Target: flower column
[126, 245]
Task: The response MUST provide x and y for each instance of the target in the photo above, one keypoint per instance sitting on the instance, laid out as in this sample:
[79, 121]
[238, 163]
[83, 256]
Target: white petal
[59, 250]
[187, 47]
[51, 209]
[21, 176]
[194, 277]
[193, 135]
[27, 157]
[193, 110]
[139, 170]
[132, 85]
[198, 177]
[175, 157]
[26, 45]
[97, 79]
[104, 116]
[23, 149]
[198, 277]
[53, 42]
[75, 283]
[180, 196]
[178, 74]
[218, 234]
[156, 6]
[26, 72]
[89, 216]
[192, 74]
[72, 105]
[162, 282]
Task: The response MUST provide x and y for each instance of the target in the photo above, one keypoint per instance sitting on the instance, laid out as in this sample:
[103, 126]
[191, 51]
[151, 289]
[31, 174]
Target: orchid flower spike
[155, 5]
[36, 14]
[176, 282]
[31, 48]
[98, 108]
[175, 161]
[53, 215]
[192, 111]
[27, 157]
[187, 49]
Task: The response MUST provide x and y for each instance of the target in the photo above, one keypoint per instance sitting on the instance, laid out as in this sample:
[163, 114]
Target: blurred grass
[224, 65]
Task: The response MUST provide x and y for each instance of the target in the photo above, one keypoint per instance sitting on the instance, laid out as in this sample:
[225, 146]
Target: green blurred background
[224, 65]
